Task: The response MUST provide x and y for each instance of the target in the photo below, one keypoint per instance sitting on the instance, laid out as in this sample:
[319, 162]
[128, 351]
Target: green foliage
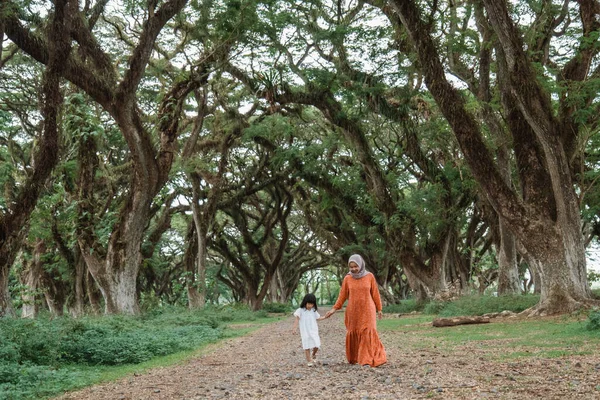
[593, 323]
[43, 357]
[277, 307]
[404, 307]
[479, 305]
[593, 277]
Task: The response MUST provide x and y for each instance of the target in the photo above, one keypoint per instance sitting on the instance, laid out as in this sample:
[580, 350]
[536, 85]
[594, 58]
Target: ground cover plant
[43, 357]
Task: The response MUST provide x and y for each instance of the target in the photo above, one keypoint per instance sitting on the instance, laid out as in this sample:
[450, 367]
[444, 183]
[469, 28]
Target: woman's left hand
[380, 314]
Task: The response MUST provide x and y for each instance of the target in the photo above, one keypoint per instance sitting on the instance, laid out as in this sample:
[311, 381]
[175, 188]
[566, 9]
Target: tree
[93, 71]
[544, 215]
[15, 216]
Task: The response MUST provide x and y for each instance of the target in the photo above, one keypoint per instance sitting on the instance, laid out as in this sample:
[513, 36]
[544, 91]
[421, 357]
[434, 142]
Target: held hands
[380, 315]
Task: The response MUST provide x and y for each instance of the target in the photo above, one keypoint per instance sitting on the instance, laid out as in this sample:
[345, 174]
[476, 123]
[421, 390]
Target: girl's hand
[294, 331]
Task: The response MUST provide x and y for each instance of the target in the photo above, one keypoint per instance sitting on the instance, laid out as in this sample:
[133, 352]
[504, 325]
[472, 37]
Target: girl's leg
[314, 352]
[307, 354]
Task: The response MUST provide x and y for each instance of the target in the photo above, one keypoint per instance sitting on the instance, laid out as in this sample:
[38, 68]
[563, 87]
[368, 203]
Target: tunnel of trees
[194, 152]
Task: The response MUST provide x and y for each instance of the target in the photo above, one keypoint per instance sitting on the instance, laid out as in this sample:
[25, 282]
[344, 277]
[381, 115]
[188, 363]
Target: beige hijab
[356, 258]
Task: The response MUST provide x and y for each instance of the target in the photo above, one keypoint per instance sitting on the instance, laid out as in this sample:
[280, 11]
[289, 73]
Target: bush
[434, 307]
[404, 307]
[593, 323]
[34, 341]
[281, 308]
[27, 381]
[42, 357]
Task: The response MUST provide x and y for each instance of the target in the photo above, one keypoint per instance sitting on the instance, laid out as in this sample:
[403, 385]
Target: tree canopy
[193, 152]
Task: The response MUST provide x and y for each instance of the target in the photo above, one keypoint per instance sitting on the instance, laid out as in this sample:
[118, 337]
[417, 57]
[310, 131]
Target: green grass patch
[41, 358]
[499, 340]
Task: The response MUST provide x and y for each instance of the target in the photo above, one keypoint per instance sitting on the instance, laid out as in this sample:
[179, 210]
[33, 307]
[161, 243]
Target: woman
[360, 289]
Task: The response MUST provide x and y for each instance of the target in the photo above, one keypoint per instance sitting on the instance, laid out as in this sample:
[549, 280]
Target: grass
[500, 340]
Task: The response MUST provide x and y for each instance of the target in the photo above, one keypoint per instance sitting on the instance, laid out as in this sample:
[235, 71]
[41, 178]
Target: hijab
[356, 258]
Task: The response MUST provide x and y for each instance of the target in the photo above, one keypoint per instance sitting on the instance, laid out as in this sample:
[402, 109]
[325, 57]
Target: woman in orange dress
[359, 287]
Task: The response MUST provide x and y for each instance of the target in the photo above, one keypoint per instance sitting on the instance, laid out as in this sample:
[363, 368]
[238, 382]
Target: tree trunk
[535, 281]
[253, 301]
[6, 308]
[190, 258]
[77, 307]
[443, 322]
[93, 294]
[118, 289]
[31, 280]
[201, 231]
[277, 290]
[562, 271]
[508, 270]
[55, 299]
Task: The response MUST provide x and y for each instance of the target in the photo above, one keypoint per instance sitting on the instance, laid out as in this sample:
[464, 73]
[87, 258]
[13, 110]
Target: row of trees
[146, 144]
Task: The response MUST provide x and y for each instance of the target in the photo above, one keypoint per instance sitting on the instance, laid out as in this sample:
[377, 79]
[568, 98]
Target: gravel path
[269, 364]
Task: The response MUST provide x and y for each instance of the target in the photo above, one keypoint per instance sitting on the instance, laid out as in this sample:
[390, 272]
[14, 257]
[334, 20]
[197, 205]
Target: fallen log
[443, 322]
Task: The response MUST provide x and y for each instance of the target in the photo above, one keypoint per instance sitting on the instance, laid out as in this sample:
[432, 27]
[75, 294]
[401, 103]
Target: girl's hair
[309, 298]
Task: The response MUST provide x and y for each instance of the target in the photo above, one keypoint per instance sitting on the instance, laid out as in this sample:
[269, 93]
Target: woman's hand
[330, 313]
[380, 315]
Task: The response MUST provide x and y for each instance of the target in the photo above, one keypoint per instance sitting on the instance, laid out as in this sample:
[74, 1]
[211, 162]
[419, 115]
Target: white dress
[309, 330]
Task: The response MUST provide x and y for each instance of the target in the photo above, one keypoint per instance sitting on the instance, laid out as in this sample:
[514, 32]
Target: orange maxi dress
[362, 341]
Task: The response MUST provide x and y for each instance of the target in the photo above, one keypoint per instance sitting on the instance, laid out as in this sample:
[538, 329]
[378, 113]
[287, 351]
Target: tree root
[554, 307]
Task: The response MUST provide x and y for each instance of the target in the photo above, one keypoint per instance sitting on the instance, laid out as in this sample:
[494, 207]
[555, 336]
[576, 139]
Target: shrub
[25, 340]
[404, 307]
[114, 345]
[593, 323]
[27, 381]
[42, 357]
[434, 307]
[277, 308]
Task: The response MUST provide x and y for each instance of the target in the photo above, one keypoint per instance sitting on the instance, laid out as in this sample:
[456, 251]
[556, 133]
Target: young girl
[307, 317]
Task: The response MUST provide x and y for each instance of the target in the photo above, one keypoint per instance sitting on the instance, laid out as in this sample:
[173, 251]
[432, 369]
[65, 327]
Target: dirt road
[269, 364]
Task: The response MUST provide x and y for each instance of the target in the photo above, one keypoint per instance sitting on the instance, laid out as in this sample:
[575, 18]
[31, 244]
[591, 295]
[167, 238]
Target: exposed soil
[269, 364]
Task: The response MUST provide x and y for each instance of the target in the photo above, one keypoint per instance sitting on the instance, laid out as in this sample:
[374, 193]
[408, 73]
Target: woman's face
[354, 268]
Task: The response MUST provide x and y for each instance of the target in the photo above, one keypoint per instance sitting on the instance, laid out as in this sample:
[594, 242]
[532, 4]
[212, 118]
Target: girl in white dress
[307, 317]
